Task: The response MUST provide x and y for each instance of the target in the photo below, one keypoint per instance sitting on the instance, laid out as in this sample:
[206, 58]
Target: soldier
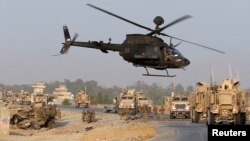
[84, 115]
[162, 112]
[141, 111]
[145, 111]
[126, 112]
[155, 110]
[120, 113]
[58, 114]
[92, 116]
[88, 116]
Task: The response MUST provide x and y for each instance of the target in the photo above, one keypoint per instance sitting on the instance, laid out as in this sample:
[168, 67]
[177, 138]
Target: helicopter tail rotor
[68, 41]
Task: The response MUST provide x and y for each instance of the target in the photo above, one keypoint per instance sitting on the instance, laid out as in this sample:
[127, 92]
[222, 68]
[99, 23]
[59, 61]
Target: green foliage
[66, 102]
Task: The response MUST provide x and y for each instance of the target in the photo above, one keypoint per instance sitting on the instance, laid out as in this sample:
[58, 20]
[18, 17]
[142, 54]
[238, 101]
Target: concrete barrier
[4, 121]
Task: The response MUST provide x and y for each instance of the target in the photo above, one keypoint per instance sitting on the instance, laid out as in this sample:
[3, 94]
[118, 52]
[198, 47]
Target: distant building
[37, 94]
[38, 88]
[62, 93]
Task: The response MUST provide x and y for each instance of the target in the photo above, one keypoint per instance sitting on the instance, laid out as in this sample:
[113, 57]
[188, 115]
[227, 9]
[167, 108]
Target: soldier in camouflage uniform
[126, 112]
[145, 111]
[141, 111]
[162, 112]
[88, 116]
[84, 113]
[58, 114]
[155, 110]
[92, 115]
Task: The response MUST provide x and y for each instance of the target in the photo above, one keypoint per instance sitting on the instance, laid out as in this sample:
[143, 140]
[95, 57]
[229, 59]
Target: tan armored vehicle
[179, 106]
[227, 103]
[38, 98]
[142, 100]
[200, 102]
[127, 100]
[82, 98]
[24, 97]
[35, 117]
[219, 103]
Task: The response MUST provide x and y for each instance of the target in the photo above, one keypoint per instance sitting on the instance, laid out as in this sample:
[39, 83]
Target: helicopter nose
[186, 61]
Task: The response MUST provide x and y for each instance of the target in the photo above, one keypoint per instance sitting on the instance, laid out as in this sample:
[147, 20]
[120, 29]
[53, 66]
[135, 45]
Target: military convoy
[82, 98]
[219, 103]
[178, 105]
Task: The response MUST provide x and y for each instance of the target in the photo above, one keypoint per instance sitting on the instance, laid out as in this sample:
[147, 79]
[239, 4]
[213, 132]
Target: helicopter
[142, 50]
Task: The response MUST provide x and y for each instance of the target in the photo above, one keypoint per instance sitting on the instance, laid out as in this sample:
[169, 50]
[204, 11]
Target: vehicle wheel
[51, 124]
[171, 116]
[192, 115]
[236, 119]
[210, 118]
[243, 118]
[77, 105]
[87, 105]
[196, 116]
[188, 116]
[35, 125]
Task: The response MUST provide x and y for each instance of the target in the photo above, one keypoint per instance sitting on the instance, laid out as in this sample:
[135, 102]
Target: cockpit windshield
[175, 52]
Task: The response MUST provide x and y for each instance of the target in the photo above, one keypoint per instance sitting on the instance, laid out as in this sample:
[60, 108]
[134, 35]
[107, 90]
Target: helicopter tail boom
[104, 47]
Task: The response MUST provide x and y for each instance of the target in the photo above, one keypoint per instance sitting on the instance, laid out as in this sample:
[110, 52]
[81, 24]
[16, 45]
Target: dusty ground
[108, 127]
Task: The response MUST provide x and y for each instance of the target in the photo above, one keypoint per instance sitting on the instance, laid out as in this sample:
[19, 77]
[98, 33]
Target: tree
[189, 89]
[66, 102]
[99, 98]
[179, 89]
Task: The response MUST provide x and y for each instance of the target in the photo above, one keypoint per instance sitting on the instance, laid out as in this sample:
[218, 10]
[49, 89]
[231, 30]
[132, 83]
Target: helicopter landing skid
[157, 74]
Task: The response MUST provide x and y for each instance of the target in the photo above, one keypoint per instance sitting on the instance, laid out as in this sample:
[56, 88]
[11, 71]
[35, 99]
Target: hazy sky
[31, 32]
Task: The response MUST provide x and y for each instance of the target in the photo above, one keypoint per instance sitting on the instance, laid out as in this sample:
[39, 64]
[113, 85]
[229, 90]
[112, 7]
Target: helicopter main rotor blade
[119, 17]
[222, 52]
[170, 24]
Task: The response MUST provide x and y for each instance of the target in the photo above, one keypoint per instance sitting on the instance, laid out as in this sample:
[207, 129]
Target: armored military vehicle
[142, 100]
[35, 117]
[179, 106]
[219, 103]
[24, 98]
[82, 98]
[200, 102]
[127, 100]
[38, 98]
[227, 103]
